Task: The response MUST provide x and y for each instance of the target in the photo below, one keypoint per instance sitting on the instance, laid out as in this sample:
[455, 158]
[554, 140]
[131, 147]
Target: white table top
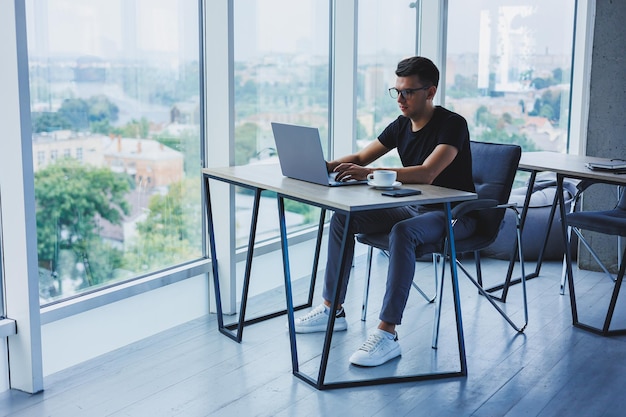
[350, 198]
[573, 166]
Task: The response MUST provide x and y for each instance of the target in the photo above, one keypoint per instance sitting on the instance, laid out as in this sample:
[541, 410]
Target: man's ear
[431, 93]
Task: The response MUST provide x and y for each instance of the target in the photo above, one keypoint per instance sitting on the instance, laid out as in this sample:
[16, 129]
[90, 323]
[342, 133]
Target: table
[564, 166]
[347, 200]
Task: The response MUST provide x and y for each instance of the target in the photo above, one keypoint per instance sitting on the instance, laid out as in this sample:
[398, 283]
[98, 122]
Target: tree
[500, 136]
[49, 122]
[170, 234]
[71, 198]
[76, 112]
[134, 129]
[548, 106]
[97, 111]
[101, 108]
[246, 143]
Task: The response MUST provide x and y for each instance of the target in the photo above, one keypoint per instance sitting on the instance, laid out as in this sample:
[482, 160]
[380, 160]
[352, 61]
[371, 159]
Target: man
[434, 147]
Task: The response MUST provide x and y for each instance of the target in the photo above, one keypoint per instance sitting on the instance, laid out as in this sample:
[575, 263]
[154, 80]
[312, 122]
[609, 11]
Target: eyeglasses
[406, 93]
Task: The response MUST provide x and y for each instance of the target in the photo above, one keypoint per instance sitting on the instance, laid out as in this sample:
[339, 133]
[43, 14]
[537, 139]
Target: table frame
[564, 166]
[286, 188]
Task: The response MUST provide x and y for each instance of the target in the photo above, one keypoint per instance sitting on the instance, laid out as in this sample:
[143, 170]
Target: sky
[270, 25]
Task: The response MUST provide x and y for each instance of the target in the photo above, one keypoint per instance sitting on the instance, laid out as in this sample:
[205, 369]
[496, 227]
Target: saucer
[384, 187]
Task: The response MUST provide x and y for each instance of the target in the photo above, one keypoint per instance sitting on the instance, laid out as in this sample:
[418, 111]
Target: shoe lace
[313, 313]
[371, 343]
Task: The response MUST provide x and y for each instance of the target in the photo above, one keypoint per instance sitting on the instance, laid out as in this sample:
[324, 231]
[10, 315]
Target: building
[150, 163]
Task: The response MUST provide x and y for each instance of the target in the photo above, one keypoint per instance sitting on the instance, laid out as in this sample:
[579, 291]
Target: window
[281, 51]
[508, 69]
[119, 79]
[386, 35]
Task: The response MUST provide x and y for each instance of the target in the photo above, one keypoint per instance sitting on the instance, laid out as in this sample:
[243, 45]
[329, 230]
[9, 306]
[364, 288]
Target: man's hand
[348, 171]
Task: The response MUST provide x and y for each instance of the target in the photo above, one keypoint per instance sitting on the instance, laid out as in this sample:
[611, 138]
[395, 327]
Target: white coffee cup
[382, 178]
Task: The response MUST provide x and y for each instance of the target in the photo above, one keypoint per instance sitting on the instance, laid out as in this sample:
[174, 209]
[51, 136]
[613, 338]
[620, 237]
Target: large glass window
[115, 104]
[281, 53]
[386, 35]
[508, 70]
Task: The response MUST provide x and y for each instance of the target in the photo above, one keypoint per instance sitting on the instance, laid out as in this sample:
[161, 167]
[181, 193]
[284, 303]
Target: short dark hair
[424, 68]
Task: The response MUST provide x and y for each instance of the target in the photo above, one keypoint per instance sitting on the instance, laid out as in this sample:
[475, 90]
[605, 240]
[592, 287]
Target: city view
[116, 119]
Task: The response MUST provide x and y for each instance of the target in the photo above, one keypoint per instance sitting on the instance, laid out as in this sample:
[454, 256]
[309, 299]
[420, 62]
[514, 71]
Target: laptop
[612, 165]
[301, 157]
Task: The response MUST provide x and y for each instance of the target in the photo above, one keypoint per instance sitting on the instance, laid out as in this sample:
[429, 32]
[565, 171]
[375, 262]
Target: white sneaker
[377, 349]
[317, 321]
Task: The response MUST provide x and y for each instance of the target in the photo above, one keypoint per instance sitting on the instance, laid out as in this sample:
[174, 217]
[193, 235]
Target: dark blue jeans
[408, 228]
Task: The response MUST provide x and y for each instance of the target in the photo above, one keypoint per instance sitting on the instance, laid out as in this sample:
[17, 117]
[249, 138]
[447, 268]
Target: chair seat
[377, 240]
[471, 244]
[493, 171]
[610, 222]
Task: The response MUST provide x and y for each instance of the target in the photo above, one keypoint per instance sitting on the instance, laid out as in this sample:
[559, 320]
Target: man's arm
[354, 166]
[435, 163]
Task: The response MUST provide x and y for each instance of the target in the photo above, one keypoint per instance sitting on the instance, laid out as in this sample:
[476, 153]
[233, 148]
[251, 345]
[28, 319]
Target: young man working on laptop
[434, 147]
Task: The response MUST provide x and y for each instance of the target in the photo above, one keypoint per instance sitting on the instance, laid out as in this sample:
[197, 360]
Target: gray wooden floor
[552, 369]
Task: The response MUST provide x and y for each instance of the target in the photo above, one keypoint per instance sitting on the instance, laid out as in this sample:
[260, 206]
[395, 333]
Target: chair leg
[479, 271]
[366, 289]
[564, 269]
[368, 275]
[437, 258]
[483, 292]
[618, 284]
[593, 253]
[419, 290]
[605, 330]
[572, 209]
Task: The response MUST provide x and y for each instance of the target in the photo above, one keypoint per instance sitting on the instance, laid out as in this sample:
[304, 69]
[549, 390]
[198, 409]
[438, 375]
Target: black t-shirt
[445, 127]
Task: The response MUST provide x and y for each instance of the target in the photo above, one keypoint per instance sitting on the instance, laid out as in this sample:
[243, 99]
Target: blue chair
[608, 222]
[493, 170]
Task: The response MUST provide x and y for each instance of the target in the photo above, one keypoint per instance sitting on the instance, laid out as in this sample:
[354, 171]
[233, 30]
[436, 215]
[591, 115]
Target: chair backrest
[494, 166]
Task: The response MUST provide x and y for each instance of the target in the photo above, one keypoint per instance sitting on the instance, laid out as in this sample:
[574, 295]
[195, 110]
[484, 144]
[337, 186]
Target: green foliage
[76, 112]
[134, 129]
[49, 122]
[158, 85]
[310, 213]
[548, 106]
[501, 136]
[463, 87]
[485, 118]
[498, 129]
[96, 114]
[245, 143]
[101, 108]
[170, 233]
[71, 198]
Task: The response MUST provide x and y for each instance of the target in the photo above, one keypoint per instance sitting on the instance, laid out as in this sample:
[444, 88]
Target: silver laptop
[612, 165]
[301, 157]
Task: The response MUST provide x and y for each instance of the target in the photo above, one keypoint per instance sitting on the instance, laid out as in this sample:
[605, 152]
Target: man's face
[414, 96]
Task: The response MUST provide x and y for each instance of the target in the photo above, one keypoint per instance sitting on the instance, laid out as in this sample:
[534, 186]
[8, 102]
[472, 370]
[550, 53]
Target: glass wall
[116, 111]
[508, 70]
[386, 34]
[115, 103]
[2, 300]
[281, 53]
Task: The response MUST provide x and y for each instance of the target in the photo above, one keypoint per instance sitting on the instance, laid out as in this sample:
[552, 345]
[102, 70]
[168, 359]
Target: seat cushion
[535, 225]
[610, 222]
